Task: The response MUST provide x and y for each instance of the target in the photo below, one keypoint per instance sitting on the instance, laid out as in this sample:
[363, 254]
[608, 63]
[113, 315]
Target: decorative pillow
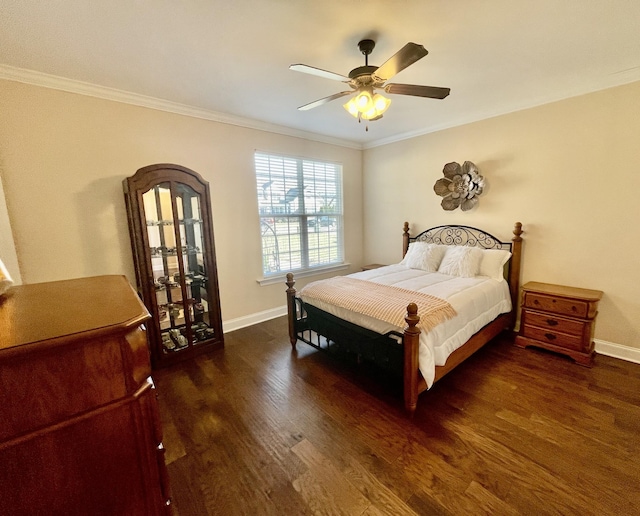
[5, 280]
[461, 261]
[492, 264]
[424, 256]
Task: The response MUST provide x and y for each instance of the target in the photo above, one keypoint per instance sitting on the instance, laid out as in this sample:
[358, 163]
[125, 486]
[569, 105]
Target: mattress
[477, 301]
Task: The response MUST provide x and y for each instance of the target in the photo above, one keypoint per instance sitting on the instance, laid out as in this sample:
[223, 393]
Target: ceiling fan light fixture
[352, 107]
[367, 106]
[381, 103]
[364, 101]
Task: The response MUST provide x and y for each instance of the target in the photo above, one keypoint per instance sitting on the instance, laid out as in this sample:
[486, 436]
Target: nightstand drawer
[556, 338]
[559, 318]
[551, 322]
[558, 305]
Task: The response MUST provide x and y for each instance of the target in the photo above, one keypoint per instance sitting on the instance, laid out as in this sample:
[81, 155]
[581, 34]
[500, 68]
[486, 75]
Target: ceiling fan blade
[324, 100]
[431, 92]
[406, 56]
[317, 71]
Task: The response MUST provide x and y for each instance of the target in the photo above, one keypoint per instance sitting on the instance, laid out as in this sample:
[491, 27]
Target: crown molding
[609, 81]
[44, 80]
[55, 82]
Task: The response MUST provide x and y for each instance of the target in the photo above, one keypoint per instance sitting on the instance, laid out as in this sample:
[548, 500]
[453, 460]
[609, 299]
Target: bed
[460, 285]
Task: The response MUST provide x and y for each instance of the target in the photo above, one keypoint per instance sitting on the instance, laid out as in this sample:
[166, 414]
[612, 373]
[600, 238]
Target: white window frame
[303, 234]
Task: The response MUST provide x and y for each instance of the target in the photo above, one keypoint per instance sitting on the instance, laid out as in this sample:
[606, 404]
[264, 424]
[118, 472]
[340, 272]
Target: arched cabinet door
[169, 214]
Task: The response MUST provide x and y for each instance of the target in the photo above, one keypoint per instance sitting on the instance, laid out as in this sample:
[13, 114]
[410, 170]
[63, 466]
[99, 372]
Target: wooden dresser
[560, 319]
[79, 427]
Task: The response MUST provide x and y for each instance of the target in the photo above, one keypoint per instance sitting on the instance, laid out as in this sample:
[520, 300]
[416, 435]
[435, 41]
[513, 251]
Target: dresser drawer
[551, 322]
[556, 338]
[558, 305]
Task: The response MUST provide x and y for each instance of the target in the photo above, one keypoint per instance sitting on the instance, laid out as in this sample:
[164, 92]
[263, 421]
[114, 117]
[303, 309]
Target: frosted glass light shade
[368, 107]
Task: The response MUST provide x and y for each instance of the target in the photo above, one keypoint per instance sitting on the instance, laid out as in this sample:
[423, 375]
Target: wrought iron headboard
[467, 235]
[460, 235]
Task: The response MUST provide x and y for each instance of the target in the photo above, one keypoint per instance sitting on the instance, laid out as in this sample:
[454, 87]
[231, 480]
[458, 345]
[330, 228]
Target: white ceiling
[229, 59]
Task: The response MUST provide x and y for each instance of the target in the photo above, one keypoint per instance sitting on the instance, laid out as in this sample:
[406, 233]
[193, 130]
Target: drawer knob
[552, 322]
[550, 336]
[536, 302]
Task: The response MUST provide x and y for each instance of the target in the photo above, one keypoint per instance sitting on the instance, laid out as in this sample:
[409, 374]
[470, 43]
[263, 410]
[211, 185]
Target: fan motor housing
[362, 70]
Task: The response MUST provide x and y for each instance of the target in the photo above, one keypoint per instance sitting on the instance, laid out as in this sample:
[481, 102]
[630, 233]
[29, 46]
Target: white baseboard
[248, 320]
[611, 349]
[603, 347]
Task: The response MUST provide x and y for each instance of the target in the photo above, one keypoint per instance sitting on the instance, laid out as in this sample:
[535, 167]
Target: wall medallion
[461, 186]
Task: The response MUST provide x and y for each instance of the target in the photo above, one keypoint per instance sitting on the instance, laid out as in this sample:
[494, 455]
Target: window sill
[281, 278]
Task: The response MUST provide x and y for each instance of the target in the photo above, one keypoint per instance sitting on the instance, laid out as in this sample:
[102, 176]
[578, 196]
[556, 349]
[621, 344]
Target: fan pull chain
[366, 127]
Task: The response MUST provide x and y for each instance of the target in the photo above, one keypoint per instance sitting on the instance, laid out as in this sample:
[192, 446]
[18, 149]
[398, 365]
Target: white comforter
[477, 302]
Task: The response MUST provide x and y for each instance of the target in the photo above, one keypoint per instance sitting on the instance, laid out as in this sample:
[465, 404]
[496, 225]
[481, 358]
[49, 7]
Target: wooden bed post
[291, 310]
[405, 239]
[514, 271]
[411, 343]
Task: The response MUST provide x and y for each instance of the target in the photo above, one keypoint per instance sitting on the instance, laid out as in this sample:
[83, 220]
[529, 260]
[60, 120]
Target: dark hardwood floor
[254, 429]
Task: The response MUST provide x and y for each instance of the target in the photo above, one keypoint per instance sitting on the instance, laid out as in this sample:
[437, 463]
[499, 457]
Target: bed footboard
[302, 319]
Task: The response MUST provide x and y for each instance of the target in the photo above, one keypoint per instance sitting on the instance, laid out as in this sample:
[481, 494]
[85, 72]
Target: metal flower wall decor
[460, 186]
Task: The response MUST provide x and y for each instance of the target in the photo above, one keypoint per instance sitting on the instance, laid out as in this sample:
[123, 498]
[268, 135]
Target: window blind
[300, 208]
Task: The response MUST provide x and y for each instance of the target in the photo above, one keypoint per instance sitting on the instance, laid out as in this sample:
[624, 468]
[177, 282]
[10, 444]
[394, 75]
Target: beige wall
[569, 171]
[63, 157]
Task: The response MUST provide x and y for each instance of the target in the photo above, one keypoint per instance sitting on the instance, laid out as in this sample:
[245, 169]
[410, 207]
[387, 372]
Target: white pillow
[461, 261]
[492, 264]
[424, 256]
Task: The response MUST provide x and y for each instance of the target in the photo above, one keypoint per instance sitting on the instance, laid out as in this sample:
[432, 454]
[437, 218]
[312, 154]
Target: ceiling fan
[364, 80]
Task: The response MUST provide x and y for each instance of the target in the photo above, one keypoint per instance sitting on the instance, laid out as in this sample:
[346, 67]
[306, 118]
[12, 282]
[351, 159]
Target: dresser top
[60, 311]
[563, 291]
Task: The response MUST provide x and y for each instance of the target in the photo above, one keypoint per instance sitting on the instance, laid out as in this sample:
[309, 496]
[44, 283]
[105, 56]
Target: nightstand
[372, 266]
[560, 319]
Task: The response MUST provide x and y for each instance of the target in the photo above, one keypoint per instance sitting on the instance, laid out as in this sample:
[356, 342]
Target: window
[300, 207]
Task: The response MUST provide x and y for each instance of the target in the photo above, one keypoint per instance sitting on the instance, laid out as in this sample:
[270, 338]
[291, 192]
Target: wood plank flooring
[256, 429]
